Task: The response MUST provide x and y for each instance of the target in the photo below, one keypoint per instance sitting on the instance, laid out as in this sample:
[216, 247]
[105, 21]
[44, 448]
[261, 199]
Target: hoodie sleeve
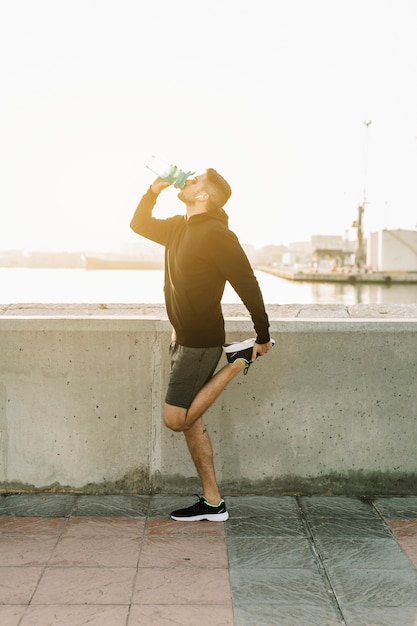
[143, 223]
[231, 260]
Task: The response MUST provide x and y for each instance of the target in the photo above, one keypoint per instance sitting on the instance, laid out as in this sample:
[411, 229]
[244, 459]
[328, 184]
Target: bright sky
[273, 94]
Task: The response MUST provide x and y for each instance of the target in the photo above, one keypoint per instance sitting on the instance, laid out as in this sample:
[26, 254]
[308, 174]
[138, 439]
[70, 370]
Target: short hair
[218, 189]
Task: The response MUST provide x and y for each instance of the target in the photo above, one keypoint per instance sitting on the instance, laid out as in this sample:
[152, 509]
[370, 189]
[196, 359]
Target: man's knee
[175, 418]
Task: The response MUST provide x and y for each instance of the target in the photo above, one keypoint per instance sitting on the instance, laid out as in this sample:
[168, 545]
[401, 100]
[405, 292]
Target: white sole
[242, 345]
[215, 517]
[237, 346]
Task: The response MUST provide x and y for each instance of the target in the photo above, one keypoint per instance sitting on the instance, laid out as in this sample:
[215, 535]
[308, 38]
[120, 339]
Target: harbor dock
[352, 277]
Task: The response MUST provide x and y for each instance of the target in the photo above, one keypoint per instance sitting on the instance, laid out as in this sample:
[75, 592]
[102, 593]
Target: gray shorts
[191, 368]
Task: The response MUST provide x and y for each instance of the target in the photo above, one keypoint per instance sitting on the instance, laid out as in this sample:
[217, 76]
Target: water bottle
[170, 173]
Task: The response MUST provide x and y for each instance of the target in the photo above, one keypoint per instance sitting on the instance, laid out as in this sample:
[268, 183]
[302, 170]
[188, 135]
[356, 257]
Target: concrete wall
[332, 409]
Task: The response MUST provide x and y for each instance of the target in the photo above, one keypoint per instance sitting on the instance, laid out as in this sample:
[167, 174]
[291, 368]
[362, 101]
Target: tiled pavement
[120, 561]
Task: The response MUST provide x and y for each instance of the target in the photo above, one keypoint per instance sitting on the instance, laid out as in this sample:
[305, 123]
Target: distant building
[329, 251]
[299, 253]
[321, 252]
[329, 242]
[392, 251]
[271, 255]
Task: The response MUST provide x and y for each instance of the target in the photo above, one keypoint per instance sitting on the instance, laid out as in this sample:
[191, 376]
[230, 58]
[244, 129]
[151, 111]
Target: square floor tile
[337, 506]
[403, 527]
[39, 505]
[169, 527]
[272, 552]
[397, 507]
[182, 586]
[345, 527]
[32, 526]
[104, 527]
[410, 548]
[27, 551]
[380, 616]
[77, 585]
[183, 552]
[249, 506]
[11, 615]
[264, 526]
[162, 505]
[17, 584]
[277, 586]
[362, 553]
[375, 588]
[405, 530]
[186, 615]
[75, 616]
[287, 615]
[111, 506]
[102, 552]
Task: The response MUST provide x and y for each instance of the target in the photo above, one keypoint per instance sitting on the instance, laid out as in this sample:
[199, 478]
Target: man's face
[193, 187]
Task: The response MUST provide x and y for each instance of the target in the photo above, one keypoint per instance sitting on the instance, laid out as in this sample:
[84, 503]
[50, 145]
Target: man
[201, 254]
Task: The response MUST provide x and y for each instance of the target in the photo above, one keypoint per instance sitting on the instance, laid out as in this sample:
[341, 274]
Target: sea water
[23, 285]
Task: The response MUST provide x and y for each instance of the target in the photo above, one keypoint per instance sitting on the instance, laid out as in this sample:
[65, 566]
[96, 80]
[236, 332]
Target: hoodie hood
[221, 215]
[215, 214]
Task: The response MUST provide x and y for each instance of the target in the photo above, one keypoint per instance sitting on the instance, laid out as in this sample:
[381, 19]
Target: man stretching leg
[201, 254]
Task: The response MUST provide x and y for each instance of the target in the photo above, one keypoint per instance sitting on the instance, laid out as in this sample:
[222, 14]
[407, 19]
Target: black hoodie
[201, 254]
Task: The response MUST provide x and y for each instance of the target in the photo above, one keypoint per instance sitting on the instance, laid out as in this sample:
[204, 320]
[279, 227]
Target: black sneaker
[241, 350]
[201, 510]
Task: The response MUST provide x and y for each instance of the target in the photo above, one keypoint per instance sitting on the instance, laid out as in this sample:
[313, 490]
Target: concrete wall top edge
[153, 317]
[158, 311]
[90, 324]
[140, 324]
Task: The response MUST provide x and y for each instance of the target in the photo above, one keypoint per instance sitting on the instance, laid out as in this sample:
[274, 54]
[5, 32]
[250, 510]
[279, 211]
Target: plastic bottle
[170, 173]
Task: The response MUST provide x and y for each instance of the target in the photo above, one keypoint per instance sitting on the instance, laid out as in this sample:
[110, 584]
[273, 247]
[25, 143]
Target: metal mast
[360, 255]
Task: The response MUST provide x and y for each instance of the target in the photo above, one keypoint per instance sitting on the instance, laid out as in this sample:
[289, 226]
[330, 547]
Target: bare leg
[211, 391]
[196, 435]
[201, 451]
[180, 419]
